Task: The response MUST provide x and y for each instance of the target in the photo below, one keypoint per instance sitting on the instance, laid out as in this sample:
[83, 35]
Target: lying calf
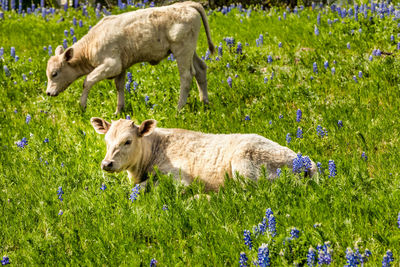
[187, 154]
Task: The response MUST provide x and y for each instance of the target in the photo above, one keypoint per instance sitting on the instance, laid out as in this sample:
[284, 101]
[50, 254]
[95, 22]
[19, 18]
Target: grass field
[358, 208]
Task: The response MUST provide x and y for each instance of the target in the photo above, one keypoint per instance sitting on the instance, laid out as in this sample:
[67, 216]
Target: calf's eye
[54, 74]
[128, 142]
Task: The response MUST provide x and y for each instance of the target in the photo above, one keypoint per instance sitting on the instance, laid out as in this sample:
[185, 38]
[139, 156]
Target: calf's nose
[106, 165]
[48, 93]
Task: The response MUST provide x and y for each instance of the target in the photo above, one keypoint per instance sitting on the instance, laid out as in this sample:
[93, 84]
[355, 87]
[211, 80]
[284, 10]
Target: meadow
[323, 81]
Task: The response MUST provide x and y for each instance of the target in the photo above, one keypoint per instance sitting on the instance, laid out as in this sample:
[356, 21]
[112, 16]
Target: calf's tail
[200, 9]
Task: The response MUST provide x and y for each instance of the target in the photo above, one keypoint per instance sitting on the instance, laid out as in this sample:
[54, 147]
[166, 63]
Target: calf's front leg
[119, 83]
[110, 68]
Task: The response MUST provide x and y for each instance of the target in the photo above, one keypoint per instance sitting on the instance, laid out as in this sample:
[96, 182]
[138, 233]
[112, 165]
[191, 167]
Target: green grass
[359, 207]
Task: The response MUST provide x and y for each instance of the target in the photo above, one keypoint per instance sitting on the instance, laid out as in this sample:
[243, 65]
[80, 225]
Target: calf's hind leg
[119, 83]
[201, 77]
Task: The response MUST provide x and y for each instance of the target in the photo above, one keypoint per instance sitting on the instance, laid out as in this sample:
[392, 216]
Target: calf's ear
[101, 126]
[59, 50]
[147, 127]
[68, 54]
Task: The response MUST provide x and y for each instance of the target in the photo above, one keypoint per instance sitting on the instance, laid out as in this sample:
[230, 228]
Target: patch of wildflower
[311, 257]
[387, 259]
[294, 233]
[299, 133]
[288, 138]
[263, 259]
[135, 193]
[247, 239]
[60, 193]
[22, 143]
[153, 263]
[103, 187]
[278, 172]
[320, 132]
[243, 260]
[299, 114]
[301, 164]
[28, 119]
[332, 168]
[5, 260]
[364, 156]
[229, 81]
[324, 254]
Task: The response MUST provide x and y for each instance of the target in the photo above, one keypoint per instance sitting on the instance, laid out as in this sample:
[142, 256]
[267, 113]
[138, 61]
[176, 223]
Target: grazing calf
[117, 42]
[187, 154]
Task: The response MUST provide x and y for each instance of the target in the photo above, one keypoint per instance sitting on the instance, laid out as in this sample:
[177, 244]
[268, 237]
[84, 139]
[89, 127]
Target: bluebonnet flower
[229, 81]
[13, 51]
[398, 220]
[103, 187]
[135, 193]
[230, 41]
[44, 48]
[28, 119]
[363, 156]
[24, 77]
[280, 116]
[319, 18]
[316, 30]
[207, 56]
[5, 260]
[270, 122]
[364, 257]
[352, 258]
[298, 163]
[247, 239]
[332, 168]
[239, 48]
[74, 39]
[315, 68]
[272, 75]
[269, 59]
[146, 99]
[299, 133]
[324, 254]
[319, 166]
[272, 225]
[348, 45]
[1, 52]
[268, 212]
[326, 64]
[387, 259]
[62, 165]
[228, 65]
[311, 257]
[263, 259]
[243, 259]
[340, 123]
[66, 33]
[284, 15]
[80, 23]
[153, 263]
[299, 114]
[360, 30]
[392, 38]
[60, 192]
[398, 46]
[128, 117]
[355, 78]
[72, 31]
[360, 74]
[247, 118]
[22, 143]
[278, 172]
[307, 163]
[220, 49]
[6, 70]
[320, 132]
[164, 207]
[128, 86]
[135, 85]
[378, 52]
[73, 22]
[46, 140]
[265, 79]
[294, 233]
[288, 138]
[16, 58]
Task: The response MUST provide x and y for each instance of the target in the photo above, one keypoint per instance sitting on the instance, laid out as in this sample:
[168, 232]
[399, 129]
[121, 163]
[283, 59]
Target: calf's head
[124, 142]
[60, 72]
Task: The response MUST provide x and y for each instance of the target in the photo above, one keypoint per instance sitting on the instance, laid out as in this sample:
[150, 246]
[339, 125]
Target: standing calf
[187, 154]
[118, 42]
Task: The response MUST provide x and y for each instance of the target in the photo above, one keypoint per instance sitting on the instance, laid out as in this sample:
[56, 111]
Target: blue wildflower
[247, 118]
[24, 77]
[6, 70]
[288, 138]
[28, 119]
[269, 59]
[360, 74]
[280, 44]
[13, 51]
[315, 68]
[80, 23]
[128, 117]
[229, 80]
[60, 192]
[363, 156]
[16, 58]
[387, 259]
[311, 257]
[128, 87]
[326, 64]
[135, 193]
[355, 78]
[74, 39]
[22, 143]
[348, 45]
[272, 225]
[65, 43]
[153, 263]
[268, 212]
[46, 140]
[164, 207]
[352, 258]
[263, 259]
[332, 168]
[324, 254]
[1, 52]
[228, 65]
[333, 70]
[220, 49]
[392, 38]
[103, 187]
[319, 18]
[398, 220]
[294, 233]
[299, 133]
[316, 30]
[320, 132]
[5, 260]
[265, 79]
[298, 163]
[247, 239]
[280, 116]
[319, 166]
[146, 99]
[299, 114]
[239, 48]
[243, 259]
[340, 123]
[278, 172]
